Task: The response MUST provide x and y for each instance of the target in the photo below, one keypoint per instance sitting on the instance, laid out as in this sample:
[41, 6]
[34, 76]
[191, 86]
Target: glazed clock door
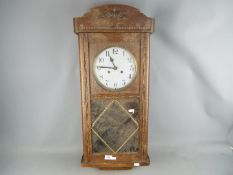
[115, 123]
[115, 107]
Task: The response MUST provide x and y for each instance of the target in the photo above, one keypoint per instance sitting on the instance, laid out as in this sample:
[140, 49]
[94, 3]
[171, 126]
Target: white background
[191, 91]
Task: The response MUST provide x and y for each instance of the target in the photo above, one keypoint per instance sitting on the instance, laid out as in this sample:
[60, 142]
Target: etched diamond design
[115, 126]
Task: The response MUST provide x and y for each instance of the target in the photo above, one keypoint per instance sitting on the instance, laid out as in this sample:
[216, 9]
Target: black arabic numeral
[114, 51]
[132, 68]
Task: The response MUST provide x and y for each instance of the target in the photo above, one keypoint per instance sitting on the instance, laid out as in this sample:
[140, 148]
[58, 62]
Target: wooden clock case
[127, 142]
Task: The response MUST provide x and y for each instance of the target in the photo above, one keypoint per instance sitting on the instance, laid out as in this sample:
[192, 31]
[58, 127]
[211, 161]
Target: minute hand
[107, 67]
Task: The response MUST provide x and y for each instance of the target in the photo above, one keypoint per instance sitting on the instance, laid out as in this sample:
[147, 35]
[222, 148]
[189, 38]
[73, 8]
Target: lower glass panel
[115, 125]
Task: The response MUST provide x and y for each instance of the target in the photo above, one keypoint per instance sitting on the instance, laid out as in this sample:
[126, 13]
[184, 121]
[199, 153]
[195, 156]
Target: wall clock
[114, 72]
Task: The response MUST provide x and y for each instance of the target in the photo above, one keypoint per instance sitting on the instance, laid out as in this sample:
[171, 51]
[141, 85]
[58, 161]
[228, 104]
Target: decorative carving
[113, 14]
[114, 27]
[113, 18]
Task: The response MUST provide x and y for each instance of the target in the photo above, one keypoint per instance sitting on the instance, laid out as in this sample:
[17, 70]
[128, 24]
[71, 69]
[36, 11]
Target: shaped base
[114, 165]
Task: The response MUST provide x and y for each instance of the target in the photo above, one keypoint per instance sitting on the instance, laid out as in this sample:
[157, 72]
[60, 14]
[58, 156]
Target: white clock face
[115, 68]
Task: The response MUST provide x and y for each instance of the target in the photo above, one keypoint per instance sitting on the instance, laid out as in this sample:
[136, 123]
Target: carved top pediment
[113, 18]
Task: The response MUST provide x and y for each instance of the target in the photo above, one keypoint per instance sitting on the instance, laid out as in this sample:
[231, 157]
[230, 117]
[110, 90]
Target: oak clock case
[114, 73]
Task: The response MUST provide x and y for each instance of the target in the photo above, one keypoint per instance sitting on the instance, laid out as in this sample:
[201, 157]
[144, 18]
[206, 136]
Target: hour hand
[111, 59]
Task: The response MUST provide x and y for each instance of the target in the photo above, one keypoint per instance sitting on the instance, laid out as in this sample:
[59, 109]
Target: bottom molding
[115, 165]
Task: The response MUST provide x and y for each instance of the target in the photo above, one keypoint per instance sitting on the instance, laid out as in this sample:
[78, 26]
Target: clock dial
[115, 68]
